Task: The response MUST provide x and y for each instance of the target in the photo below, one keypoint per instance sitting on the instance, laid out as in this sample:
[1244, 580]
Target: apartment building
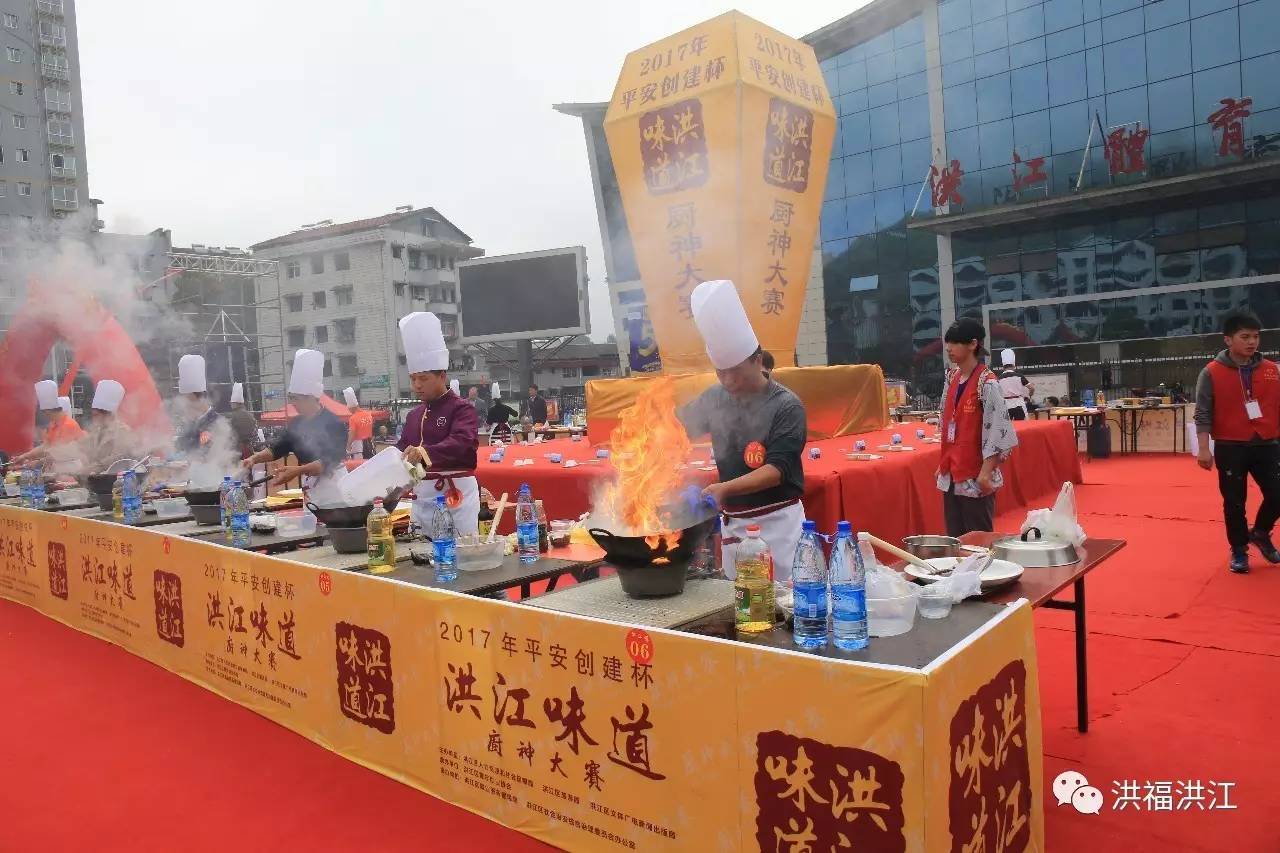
[344, 287]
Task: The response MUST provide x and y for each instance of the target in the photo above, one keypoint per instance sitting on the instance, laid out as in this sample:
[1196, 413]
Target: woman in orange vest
[359, 427]
[60, 427]
[1238, 405]
[977, 435]
[63, 428]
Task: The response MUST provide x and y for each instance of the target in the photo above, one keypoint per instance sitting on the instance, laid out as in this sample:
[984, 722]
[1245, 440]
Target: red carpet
[1184, 666]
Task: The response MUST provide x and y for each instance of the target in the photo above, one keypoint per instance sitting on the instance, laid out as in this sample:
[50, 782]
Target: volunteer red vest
[962, 458]
[1230, 421]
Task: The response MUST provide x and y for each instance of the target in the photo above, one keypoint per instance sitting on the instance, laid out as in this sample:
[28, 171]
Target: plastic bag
[965, 579]
[886, 583]
[1058, 524]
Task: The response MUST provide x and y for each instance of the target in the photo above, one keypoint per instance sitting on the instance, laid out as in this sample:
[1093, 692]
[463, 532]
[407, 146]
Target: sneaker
[1263, 541]
[1240, 561]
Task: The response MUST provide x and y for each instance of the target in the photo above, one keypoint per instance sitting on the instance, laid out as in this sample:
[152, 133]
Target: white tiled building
[344, 287]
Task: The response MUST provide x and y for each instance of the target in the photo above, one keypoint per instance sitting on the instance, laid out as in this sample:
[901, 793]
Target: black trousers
[1237, 462]
[965, 515]
[1018, 414]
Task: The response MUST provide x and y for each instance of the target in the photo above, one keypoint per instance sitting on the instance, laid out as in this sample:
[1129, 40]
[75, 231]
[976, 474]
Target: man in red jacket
[977, 435]
[1238, 405]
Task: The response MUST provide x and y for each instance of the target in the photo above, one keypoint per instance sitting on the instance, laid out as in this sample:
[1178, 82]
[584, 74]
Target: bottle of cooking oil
[117, 498]
[753, 585]
[382, 542]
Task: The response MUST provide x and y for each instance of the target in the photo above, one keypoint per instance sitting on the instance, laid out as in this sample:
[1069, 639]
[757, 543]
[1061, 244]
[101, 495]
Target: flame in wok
[649, 446]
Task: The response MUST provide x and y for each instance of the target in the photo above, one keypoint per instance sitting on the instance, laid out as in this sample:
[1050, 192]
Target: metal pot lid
[1029, 543]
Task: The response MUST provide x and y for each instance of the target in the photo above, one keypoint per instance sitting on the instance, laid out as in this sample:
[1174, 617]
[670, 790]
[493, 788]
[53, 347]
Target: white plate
[999, 573]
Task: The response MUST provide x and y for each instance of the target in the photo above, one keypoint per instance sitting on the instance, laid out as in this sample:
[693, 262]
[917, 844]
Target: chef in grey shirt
[757, 430]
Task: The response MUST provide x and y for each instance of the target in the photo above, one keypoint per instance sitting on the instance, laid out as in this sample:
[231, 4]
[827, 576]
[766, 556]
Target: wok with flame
[657, 532]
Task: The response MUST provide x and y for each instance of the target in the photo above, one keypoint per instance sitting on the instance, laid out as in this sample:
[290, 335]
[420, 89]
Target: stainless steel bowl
[927, 547]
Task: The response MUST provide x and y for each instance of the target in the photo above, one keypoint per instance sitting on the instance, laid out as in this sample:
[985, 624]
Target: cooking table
[1039, 586]
[511, 574]
[147, 519]
[263, 543]
[706, 608]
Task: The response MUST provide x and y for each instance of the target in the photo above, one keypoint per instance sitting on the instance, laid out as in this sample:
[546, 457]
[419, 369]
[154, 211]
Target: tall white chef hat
[1007, 357]
[47, 394]
[307, 376]
[424, 347]
[349, 395]
[455, 386]
[495, 391]
[237, 392]
[107, 395]
[723, 324]
[64, 403]
[191, 374]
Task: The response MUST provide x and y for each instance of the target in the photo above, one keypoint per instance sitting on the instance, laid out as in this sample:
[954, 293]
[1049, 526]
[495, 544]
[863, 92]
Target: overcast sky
[238, 121]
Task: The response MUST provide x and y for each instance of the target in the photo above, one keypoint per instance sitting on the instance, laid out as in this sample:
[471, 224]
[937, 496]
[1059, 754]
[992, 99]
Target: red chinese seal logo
[753, 455]
[58, 584]
[170, 625]
[640, 646]
[326, 583]
[365, 686]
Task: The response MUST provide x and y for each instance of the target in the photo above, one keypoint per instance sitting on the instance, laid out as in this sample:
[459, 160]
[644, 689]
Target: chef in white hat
[757, 428]
[359, 427]
[441, 433]
[243, 423]
[499, 415]
[107, 440]
[316, 437]
[1015, 387]
[203, 423]
[59, 426]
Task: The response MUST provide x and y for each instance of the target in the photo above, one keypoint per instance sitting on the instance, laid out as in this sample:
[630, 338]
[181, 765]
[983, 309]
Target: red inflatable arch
[101, 345]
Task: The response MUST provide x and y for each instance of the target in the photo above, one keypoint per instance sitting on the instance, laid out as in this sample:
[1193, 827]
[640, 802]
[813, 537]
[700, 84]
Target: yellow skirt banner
[588, 735]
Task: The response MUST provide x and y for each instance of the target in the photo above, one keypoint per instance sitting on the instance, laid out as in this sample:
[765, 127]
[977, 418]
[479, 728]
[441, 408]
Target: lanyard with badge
[951, 424]
[1251, 407]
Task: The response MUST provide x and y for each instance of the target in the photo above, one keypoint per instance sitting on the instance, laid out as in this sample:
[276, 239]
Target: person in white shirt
[1014, 386]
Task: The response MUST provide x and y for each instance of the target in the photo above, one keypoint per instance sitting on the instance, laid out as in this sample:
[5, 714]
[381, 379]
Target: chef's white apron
[779, 529]
[1014, 394]
[466, 515]
[326, 490]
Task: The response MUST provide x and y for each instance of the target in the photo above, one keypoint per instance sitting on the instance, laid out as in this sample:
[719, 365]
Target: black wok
[634, 551]
[341, 516]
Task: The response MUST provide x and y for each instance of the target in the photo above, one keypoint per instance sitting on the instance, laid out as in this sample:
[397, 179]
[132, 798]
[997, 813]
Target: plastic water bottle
[25, 480]
[848, 591]
[131, 498]
[526, 526]
[38, 497]
[444, 543]
[809, 584]
[753, 599]
[238, 512]
[223, 518]
[117, 498]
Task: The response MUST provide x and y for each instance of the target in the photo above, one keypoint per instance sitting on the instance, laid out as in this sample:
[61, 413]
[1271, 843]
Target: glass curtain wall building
[1105, 176]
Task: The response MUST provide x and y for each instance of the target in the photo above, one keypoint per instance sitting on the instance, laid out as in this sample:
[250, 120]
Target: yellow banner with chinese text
[586, 734]
[720, 136]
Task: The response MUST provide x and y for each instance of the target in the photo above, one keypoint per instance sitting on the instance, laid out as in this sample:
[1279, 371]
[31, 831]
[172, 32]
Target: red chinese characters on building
[365, 687]
[58, 584]
[788, 145]
[944, 185]
[989, 799]
[1125, 150]
[1227, 123]
[812, 796]
[168, 596]
[1032, 172]
[673, 147]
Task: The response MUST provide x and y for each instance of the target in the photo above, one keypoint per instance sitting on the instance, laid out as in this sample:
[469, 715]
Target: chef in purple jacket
[441, 433]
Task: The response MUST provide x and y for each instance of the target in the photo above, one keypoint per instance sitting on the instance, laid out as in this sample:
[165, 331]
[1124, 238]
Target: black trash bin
[1098, 439]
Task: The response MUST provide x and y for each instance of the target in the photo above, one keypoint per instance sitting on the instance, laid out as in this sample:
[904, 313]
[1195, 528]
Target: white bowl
[998, 574]
[889, 617]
